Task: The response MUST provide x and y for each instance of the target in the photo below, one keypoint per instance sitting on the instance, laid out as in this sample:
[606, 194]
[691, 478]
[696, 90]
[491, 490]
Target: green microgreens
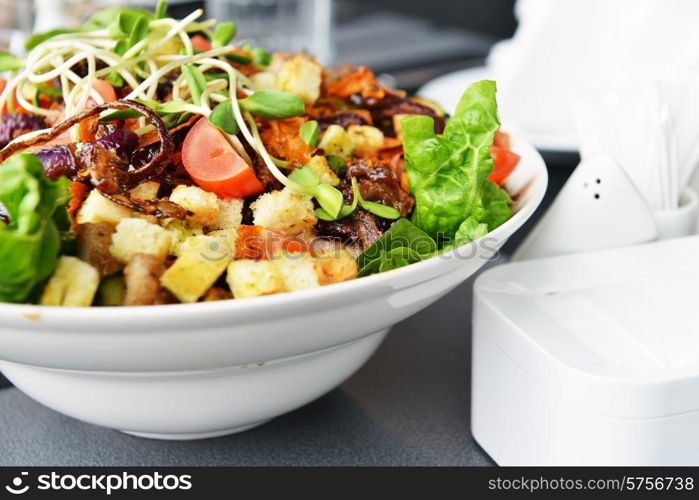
[307, 181]
[160, 10]
[38, 38]
[273, 104]
[223, 34]
[195, 81]
[237, 58]
[222, 118]
[261, 56]
[8, 62]
[309, 133]
[337, 165]
[383, 211]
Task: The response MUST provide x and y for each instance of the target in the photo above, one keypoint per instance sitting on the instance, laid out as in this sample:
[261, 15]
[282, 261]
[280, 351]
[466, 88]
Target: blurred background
[411, 40]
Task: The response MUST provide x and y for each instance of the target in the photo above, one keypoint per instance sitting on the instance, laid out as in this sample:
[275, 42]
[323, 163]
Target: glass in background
[51, 14]
[16, 24]
[283, 25]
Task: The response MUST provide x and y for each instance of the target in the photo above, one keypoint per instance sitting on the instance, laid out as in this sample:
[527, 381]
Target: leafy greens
[448, 174]
[30, 242]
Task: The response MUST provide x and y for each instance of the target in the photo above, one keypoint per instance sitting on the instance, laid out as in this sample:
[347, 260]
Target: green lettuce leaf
[403, 244]
[448, 174]
[30, 242]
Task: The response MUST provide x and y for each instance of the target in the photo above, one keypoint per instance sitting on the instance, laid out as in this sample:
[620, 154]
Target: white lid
[614, 332]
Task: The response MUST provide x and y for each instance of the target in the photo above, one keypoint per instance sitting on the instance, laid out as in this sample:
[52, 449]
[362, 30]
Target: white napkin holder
[681, 221]
[589, 359]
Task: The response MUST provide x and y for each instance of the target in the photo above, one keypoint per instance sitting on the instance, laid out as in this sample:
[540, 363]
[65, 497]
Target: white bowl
[203, 370]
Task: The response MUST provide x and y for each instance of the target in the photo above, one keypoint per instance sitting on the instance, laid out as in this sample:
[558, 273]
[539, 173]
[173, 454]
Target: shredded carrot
[78, 193]
[283, 141]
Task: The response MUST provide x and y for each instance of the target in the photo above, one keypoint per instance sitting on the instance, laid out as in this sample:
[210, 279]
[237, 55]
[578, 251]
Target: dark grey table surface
[409, 405]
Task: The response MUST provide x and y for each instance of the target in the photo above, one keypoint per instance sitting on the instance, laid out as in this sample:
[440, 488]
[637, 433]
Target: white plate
[447, 90]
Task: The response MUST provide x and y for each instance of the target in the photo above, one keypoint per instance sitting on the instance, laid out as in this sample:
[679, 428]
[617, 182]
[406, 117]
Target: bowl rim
[291, 300]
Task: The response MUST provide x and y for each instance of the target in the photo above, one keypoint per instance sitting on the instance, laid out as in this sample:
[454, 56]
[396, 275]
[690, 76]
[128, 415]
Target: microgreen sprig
[383, 211]
[329, 198]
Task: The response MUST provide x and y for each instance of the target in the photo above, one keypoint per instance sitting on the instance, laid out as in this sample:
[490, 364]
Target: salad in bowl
[146, 160]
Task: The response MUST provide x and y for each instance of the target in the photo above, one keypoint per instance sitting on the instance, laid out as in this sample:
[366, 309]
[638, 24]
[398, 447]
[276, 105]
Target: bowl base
[190, 436]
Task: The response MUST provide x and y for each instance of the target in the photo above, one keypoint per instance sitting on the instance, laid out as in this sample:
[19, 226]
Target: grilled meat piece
[142, 277]
[342, 118]
[380, 182]
[358, 229]
[94, 240]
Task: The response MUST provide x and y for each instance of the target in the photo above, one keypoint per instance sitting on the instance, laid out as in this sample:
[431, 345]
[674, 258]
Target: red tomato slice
[105, 90]
[502, 140]
[215, 166]
[258, 243]
[504, 162]
[200, 43]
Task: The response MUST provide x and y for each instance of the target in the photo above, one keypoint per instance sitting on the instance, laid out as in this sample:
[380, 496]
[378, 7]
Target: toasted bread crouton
[73, 284]
[302, 77]
[336, 141]
[335, 267]
[112, 291]
[142, 278]
[285, 211]
[134, 236]
[179, 231]
[145, 191]
[297, 271]
[202, 261]
[230, 213]
[264, 80]
[253, 278]
[94, 240]
[319, 164]
[96, 208]
[366, 139]
[202, 204]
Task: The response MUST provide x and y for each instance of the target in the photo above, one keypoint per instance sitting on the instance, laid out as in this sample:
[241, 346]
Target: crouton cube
[253, 278]
[230, 213]
[202, 204]
[302, 77]
[145, 191]
[134, 236]
[319, 164]
[366, 139]
[264, 80]
[179, 231]
[73, 284]
[284, 210]
[202, 261]
[112, 291]
[96, 208]
[297, 271]
[336, 141]
[335, 267]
